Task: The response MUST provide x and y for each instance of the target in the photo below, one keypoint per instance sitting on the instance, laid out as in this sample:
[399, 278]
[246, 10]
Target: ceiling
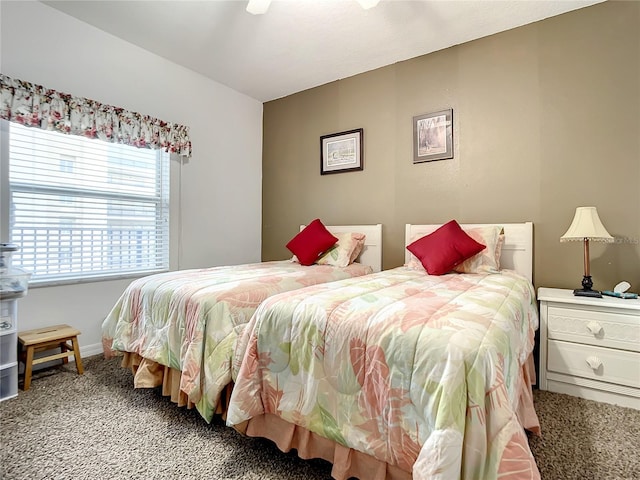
[300, 44]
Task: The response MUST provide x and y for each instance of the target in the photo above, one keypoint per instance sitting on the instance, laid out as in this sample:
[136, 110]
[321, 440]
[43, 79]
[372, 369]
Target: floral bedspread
[190, 319]
[422, 372]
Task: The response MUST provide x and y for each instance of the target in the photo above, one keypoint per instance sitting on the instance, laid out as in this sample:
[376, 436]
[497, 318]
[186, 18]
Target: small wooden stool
[48, 338]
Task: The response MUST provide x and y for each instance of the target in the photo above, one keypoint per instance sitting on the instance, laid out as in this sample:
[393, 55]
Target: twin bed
[394, 374]
[179, 329]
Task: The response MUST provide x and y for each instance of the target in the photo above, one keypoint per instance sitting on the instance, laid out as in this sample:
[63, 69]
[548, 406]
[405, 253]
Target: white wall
[216, 221]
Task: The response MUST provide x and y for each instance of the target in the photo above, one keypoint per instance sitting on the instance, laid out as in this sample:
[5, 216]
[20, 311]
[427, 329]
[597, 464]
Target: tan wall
[546, 118]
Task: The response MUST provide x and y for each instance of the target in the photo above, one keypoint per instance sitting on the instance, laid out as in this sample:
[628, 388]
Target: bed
[178, 329]
[399, 374]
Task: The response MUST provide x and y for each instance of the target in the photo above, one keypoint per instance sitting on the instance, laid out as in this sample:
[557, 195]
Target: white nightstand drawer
[592, 327]
[618, 367]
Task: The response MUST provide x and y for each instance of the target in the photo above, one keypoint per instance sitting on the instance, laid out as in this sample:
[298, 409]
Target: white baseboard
[85, 351]
[91, 350]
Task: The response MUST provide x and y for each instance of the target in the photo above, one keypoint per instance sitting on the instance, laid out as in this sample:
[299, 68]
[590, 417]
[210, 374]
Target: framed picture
[341, 152]
[433, 136]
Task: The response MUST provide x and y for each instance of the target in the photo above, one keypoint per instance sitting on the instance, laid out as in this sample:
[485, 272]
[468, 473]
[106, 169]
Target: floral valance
[35, 106]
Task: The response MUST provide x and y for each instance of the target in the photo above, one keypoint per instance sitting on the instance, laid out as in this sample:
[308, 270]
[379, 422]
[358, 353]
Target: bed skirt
[526, 412]
[150, 374]
[346, 462]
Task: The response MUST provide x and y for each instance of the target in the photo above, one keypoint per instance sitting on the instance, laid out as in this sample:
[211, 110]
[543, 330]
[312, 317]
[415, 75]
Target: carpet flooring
[96, 426]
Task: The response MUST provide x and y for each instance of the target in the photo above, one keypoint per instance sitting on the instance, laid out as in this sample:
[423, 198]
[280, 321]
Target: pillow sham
[344, 252]
[448, 246]
[312, 240]
[488, 260]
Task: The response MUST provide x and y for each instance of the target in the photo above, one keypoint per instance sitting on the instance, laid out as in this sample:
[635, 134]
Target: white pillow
[345, 251]
[488, 260]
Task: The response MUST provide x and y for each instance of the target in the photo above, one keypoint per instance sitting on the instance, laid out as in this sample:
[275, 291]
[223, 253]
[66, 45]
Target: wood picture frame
[342, 152]
[433, 136]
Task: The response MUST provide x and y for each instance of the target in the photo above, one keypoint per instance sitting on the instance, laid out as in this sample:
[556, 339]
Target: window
[66, 163]
[83, 209]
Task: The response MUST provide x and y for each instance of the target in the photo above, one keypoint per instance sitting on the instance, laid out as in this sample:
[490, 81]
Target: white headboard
[372, 252]
[517, 251]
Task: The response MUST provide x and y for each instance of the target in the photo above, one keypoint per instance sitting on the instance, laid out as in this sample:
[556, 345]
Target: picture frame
[342, 152]
[433, 136]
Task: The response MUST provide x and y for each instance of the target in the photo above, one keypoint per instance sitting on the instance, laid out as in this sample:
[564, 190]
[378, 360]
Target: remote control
[619, 294]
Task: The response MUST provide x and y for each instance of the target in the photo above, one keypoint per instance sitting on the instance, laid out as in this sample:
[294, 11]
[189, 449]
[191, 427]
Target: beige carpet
[96, 426]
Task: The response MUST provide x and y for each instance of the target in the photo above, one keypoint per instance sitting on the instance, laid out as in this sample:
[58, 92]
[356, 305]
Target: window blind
[84, 209]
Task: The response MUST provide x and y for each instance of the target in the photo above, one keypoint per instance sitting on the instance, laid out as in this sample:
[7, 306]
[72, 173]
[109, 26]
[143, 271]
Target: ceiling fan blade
[258, 7]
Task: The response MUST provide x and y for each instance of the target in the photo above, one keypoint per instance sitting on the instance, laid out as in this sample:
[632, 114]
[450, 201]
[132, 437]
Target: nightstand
[590, 347]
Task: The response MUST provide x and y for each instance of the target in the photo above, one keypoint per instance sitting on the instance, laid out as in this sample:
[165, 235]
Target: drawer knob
[594, 327]
[594, 362]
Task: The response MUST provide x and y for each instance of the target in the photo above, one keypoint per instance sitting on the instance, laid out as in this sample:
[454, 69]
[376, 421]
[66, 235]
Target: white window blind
[83, 209]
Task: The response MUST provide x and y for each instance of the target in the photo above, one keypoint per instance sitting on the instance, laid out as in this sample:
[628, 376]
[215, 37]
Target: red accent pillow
[313, 240]
[440, 251]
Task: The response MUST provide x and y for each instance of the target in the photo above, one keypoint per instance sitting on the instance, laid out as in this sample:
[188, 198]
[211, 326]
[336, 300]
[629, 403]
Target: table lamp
[586, 225]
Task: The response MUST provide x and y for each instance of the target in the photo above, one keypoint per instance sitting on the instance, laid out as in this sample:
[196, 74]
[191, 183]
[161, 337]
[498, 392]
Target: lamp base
[581, 292]
[586, 291]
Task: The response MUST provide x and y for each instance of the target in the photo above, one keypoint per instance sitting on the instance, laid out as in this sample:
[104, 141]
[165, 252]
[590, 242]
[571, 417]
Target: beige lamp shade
[586, 225]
